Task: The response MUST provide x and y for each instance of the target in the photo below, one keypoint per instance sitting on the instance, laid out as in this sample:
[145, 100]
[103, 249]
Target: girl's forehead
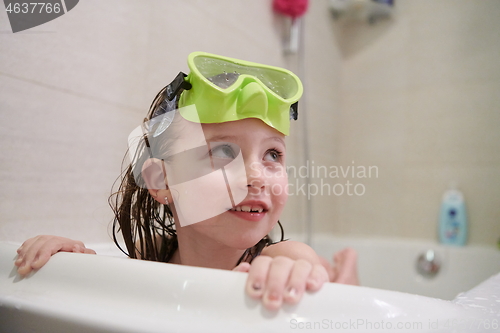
[241, 129]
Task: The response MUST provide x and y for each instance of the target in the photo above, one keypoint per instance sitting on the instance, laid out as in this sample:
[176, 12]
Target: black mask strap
[176, 85]
[294, 111]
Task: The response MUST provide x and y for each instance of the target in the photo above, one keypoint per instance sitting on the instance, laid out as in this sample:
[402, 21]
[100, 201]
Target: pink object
[292, 8]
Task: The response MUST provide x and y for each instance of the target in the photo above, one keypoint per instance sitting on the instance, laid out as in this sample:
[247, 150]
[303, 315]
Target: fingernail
[273, 296]
[256, 286]
[292, 292]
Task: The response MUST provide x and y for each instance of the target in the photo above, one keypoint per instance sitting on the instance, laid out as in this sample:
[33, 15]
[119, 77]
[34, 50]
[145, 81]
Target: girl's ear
[153, 173]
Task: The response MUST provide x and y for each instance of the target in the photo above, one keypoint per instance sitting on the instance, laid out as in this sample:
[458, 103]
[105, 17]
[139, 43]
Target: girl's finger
[89, 251]
[257, 275]
[277, 278]
[317, 278]
[26, 245]
[243, 267]
[40, 259]
[297, 281]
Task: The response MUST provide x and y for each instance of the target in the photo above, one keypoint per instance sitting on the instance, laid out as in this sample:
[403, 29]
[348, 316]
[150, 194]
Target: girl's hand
[35, 252]
[346, 268]
[281, 279]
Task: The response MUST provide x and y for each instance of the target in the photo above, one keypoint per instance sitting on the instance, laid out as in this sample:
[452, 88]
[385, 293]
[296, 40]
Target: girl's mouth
[250, 211]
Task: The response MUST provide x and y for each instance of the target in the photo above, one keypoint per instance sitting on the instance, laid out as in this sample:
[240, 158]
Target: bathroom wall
[71, 90]
[414, 97]
[420, 100]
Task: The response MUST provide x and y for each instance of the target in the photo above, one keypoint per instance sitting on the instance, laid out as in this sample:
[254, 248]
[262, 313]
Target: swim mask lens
[224, 74]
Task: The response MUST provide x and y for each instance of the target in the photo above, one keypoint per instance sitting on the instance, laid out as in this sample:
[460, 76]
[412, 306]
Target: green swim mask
[225, 89]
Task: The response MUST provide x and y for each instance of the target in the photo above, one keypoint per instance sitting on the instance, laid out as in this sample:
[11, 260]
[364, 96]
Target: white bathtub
[391, 264]
[86, 293]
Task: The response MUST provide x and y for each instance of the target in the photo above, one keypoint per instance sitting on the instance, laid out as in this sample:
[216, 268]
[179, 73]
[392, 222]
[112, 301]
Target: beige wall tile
[96, 50]
[59, 158]
[453, 41]
[454, 124]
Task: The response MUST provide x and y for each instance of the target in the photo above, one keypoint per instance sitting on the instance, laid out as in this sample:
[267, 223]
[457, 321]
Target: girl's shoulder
[292, 249]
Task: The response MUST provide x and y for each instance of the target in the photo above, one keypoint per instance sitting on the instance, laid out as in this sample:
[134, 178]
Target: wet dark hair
[147, 226]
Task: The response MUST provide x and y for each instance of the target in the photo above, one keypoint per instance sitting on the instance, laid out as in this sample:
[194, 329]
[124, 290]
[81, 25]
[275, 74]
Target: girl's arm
[36, 251]
[283, 272]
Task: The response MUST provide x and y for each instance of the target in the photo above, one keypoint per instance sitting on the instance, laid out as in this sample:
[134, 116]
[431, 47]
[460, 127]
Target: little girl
[207, 183]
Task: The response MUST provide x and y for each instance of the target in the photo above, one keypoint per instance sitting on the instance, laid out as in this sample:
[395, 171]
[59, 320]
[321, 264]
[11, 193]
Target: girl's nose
[256, 177]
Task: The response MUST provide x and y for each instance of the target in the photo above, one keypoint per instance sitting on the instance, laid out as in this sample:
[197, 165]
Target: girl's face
[256, 199]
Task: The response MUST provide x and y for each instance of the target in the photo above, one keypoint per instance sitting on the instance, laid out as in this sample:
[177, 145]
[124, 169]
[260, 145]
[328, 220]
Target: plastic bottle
[453, 218]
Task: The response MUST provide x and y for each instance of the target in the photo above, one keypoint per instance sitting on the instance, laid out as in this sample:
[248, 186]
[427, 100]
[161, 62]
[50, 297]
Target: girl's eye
[273, 155]
[223, 151]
